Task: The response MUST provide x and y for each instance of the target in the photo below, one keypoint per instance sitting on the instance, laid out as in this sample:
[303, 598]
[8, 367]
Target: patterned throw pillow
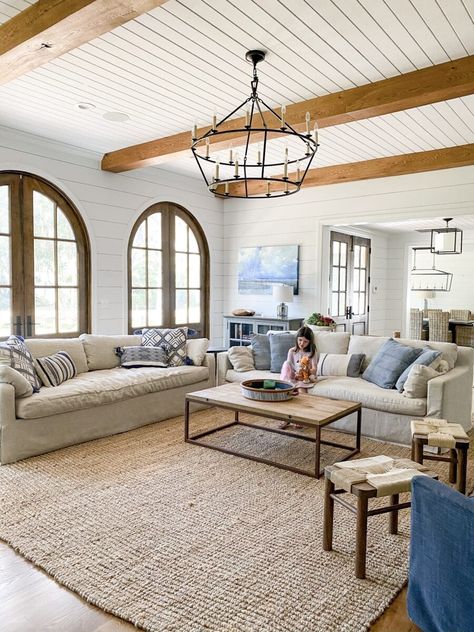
[173, 341]
[14, 353]
[56, 369]
[135, 357]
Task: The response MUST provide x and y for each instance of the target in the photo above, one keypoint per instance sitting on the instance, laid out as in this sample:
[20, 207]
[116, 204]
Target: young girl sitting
[291, 370]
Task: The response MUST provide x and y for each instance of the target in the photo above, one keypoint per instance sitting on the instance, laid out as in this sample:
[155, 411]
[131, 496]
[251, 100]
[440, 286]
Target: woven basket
[253, 389]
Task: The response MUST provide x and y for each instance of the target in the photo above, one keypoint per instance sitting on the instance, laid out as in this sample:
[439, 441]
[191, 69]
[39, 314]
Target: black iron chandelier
[274, 158]
[446, 240]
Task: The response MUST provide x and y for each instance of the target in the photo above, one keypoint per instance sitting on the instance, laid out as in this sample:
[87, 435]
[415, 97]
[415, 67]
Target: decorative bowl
[254, 389]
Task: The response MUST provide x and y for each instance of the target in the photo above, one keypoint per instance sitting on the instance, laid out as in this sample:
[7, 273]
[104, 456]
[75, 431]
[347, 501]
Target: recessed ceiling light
[119, 117]
[86, 106]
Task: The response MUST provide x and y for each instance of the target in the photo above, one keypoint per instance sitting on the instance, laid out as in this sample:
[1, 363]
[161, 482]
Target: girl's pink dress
[292, 364]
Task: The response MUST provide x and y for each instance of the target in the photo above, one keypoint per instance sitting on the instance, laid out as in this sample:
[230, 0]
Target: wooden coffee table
[309, 411]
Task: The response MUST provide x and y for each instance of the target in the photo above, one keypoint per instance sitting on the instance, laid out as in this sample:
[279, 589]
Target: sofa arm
[450, 396]
[7, 404]
[223, 365]
[210, 362]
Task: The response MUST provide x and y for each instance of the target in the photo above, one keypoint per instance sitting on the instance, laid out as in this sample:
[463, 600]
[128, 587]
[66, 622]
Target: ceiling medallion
[273, 159]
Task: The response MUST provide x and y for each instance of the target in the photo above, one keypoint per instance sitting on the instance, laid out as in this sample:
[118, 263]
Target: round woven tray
[253, 389]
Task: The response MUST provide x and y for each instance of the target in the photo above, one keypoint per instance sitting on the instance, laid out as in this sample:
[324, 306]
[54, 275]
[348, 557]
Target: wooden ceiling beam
[420, 87]
[50, 28]
[404, 164]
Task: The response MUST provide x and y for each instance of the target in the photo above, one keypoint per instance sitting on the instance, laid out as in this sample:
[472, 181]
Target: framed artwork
[260, 267]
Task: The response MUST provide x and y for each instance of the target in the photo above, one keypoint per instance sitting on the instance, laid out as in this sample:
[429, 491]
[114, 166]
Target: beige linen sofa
[386, 413]
[103, 399]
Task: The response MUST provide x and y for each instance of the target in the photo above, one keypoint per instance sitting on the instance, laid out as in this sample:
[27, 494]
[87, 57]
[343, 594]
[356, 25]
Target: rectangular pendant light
[446, 241]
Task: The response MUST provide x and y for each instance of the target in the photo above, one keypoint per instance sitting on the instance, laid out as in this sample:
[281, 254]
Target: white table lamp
[425, 295]
[282, 294]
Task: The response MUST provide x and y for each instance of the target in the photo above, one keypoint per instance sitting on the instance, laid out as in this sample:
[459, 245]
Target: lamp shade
[283, 293]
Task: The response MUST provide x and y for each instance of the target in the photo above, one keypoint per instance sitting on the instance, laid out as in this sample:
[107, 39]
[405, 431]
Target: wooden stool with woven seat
[440, 433]
[373, 477]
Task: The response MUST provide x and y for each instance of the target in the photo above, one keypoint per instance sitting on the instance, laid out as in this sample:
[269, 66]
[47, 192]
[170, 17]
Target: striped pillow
[55, 369]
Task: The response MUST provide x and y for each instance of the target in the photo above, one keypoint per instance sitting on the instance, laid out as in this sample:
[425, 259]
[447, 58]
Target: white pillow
[241, 359]
[338, 364]
[196, 349]
[417, 380]
[22, 387]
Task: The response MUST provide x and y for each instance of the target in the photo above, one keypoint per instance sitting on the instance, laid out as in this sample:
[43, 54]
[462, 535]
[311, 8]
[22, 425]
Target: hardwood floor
[30, 601]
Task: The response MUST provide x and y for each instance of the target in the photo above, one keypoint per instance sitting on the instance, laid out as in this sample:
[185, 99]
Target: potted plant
[317, 321]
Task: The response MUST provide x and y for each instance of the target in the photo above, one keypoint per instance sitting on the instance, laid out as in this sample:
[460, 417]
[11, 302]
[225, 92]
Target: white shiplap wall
[301, 219]
[110, 204]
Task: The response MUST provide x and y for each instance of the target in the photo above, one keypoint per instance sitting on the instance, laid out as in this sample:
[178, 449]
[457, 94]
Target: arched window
[168, 270]
[44, 250]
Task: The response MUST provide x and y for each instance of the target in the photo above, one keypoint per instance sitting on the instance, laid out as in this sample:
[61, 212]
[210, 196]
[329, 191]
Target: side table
[215, 351]
[363, 492]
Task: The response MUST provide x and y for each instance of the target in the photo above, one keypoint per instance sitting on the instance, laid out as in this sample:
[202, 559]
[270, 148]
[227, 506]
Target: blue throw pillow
[280, 344]
[426, 358]
[389, 363]
[261, 352]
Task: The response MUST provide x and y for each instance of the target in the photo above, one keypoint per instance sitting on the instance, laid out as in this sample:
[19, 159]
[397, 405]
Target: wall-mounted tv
[260, 267]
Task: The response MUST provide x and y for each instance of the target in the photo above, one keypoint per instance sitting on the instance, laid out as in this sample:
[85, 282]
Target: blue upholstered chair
[441, 580]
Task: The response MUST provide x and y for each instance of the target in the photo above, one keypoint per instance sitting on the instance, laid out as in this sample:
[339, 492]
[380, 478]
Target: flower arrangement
[319, 320]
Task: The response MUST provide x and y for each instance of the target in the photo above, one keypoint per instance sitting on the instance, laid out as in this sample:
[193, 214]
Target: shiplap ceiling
[180, 63]
[464, 222]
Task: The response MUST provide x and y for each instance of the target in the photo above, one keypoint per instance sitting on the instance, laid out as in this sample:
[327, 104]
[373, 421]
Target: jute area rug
[176, 537]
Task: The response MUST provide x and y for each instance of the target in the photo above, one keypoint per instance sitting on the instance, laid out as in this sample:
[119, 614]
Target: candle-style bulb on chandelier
[271, 159]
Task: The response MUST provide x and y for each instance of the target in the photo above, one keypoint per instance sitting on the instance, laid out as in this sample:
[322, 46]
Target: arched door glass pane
[187, 275]
[5, 266]
[56, 279]
[146, 273]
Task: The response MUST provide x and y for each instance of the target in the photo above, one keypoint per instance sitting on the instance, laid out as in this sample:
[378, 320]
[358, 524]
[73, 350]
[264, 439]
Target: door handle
[18, 325]
[29, 326]
[349, 312]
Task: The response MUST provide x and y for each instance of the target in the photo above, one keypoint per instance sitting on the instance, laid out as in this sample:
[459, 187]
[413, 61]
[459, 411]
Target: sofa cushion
[341, 364]
[352, 389]
[100, 350]
[196, 349]
[332, 342]
[241, 359]
[134, 357]
[368, 345]
[96, 388]
[22, 387]
[239, 376]
[55, 369]
[389, 363]
[173, 342]
[355, 389]
[280, 344]
[41, 347]
[426, 358]
[14, 353]
[261, 351]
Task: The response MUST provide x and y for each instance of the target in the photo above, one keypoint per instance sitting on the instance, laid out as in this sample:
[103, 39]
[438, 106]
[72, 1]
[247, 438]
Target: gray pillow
[389, 363]
[426, 357]
[261, 351]
[280, 344]
[139, 356]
